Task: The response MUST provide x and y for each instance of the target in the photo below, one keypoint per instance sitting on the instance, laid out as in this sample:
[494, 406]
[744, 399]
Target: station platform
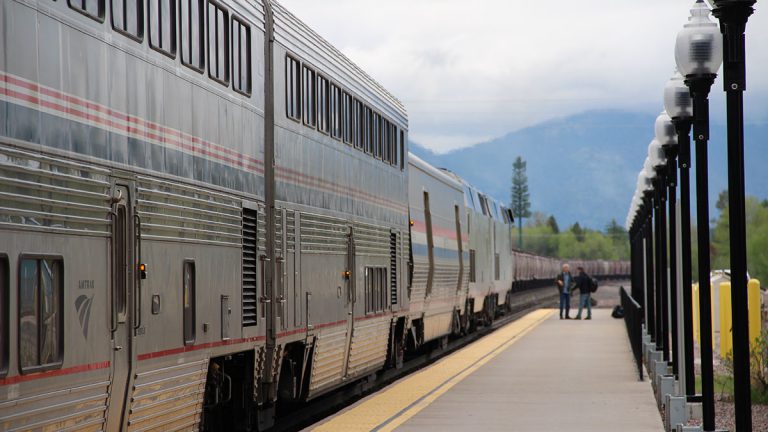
[538, 373]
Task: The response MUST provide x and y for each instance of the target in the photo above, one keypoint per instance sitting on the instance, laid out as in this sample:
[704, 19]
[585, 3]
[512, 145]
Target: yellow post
[755, 326]
[696, 328]
[726, 326]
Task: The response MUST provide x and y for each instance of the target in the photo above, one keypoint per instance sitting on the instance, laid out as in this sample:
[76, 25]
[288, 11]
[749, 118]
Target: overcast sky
[469, 71]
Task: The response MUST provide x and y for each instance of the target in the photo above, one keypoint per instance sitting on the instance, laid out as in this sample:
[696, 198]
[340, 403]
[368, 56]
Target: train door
[351, 297]
[122, 302]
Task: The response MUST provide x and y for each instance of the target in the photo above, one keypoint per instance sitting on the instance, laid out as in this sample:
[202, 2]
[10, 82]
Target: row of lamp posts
[653, 222]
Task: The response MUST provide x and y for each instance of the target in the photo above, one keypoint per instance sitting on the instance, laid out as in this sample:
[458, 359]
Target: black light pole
[677, 101]
[698, 53]
[656, 156]
[666, 136]
[733, 15]
[649, 270]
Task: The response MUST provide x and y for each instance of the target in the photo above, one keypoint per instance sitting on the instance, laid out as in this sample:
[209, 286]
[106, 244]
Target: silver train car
[208, 212]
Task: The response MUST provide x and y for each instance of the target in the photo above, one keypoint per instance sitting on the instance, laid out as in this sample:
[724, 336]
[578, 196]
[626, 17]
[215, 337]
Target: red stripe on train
[55, 373]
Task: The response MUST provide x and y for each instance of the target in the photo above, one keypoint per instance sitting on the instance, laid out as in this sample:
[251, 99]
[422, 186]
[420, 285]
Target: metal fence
[633, 318]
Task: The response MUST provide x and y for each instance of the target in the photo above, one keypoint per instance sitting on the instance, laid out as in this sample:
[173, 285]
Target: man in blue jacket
[584, 285]
[565, 283]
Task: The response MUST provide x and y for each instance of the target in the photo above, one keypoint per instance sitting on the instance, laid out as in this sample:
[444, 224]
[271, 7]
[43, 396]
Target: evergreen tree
[520, 202]
[552, 223]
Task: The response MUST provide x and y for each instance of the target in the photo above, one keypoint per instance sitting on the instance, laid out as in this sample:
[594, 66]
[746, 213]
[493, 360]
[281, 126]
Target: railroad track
[299, 417]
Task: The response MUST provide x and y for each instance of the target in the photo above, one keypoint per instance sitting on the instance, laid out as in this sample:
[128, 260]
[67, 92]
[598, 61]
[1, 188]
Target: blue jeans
[584, 301]
[565, 302]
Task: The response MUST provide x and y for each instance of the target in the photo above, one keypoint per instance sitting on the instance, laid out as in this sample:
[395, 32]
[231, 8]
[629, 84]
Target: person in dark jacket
[584, 285]
[565, 282]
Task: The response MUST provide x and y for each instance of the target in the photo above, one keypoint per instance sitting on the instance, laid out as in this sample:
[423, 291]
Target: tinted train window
[323, 125]
[128, 18]
[218, 43]
[308, 96]
[347, 118]
[91, 8]
[292, 88]
[376, 136]
[162, 26]
[367, 129]
[188, 302]
[241, 57]
[395, 153]
[359, 123]
[4, 297]
[335, 111]
[192, 33]
[402, 150]
[40, 313]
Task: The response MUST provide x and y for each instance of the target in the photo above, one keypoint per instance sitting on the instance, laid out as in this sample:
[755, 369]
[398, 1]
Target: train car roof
[433, 172]
[294, 33]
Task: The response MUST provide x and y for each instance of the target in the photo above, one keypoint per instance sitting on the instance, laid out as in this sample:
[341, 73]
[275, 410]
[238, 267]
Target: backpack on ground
[618, 312]
[592, 284]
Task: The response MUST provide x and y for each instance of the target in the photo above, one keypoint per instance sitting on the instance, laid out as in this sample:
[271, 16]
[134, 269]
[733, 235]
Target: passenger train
[207, 211]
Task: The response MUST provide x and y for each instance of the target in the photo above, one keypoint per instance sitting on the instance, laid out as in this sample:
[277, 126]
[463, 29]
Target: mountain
[583, 168]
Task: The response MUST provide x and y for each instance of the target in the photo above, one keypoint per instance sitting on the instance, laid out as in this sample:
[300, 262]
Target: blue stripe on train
[420, 249]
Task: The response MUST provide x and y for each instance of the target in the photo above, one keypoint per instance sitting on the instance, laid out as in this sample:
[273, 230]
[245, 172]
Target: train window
[496, 267]
[188, 302]
[90, 8]
[41, 312]
[241, 57]
[385, 140]
[395, 156]
[376, 136]
[375, 289]
[336, 111]
[483, 204]
[192, 23]
[128, 18]
[359, 122]
[347, 118]
[4, 311]
[218, 43]
[472, 273]
[402, 150]
[162, 26]
[367, 129]
[308, 97]
[511, 216]
[323, 125]
[292, 89]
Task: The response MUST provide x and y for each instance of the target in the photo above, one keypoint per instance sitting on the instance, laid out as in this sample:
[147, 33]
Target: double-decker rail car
[160, 267]
[439, 240]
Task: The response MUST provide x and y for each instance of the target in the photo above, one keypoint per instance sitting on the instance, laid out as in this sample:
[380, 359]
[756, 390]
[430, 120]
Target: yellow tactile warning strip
[394, 405]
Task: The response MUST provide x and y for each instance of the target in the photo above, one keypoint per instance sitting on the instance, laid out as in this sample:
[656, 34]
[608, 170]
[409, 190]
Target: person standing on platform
[584, 285]
[565, 283]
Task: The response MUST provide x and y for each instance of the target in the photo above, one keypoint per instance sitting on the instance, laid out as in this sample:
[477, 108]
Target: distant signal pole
[520, 197]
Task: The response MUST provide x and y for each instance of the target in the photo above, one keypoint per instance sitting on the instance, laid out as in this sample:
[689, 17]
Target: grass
[724, 386]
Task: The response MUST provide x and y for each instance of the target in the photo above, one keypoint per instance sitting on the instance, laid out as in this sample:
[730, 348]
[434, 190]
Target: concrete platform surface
[536, 374]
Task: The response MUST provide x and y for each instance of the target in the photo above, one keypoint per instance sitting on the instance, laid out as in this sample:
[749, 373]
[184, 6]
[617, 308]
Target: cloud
[472, 70]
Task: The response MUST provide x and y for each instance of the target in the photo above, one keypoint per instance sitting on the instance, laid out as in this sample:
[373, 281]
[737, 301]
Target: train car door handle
[118, 347]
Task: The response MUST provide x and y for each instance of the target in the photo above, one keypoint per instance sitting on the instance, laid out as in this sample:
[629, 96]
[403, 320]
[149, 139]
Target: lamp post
[643, 182]
[733, 15]
[677, 102]
[659, 164]
[666, 136]
[698, 52]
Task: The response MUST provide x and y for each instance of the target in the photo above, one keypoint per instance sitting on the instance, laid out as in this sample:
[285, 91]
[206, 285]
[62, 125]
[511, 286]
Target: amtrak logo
[83, 305]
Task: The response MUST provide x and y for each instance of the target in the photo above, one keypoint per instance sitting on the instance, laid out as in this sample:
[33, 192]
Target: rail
[633, 318]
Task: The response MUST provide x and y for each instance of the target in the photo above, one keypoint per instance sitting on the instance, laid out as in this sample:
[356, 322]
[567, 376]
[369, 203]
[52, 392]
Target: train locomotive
[208, 212]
